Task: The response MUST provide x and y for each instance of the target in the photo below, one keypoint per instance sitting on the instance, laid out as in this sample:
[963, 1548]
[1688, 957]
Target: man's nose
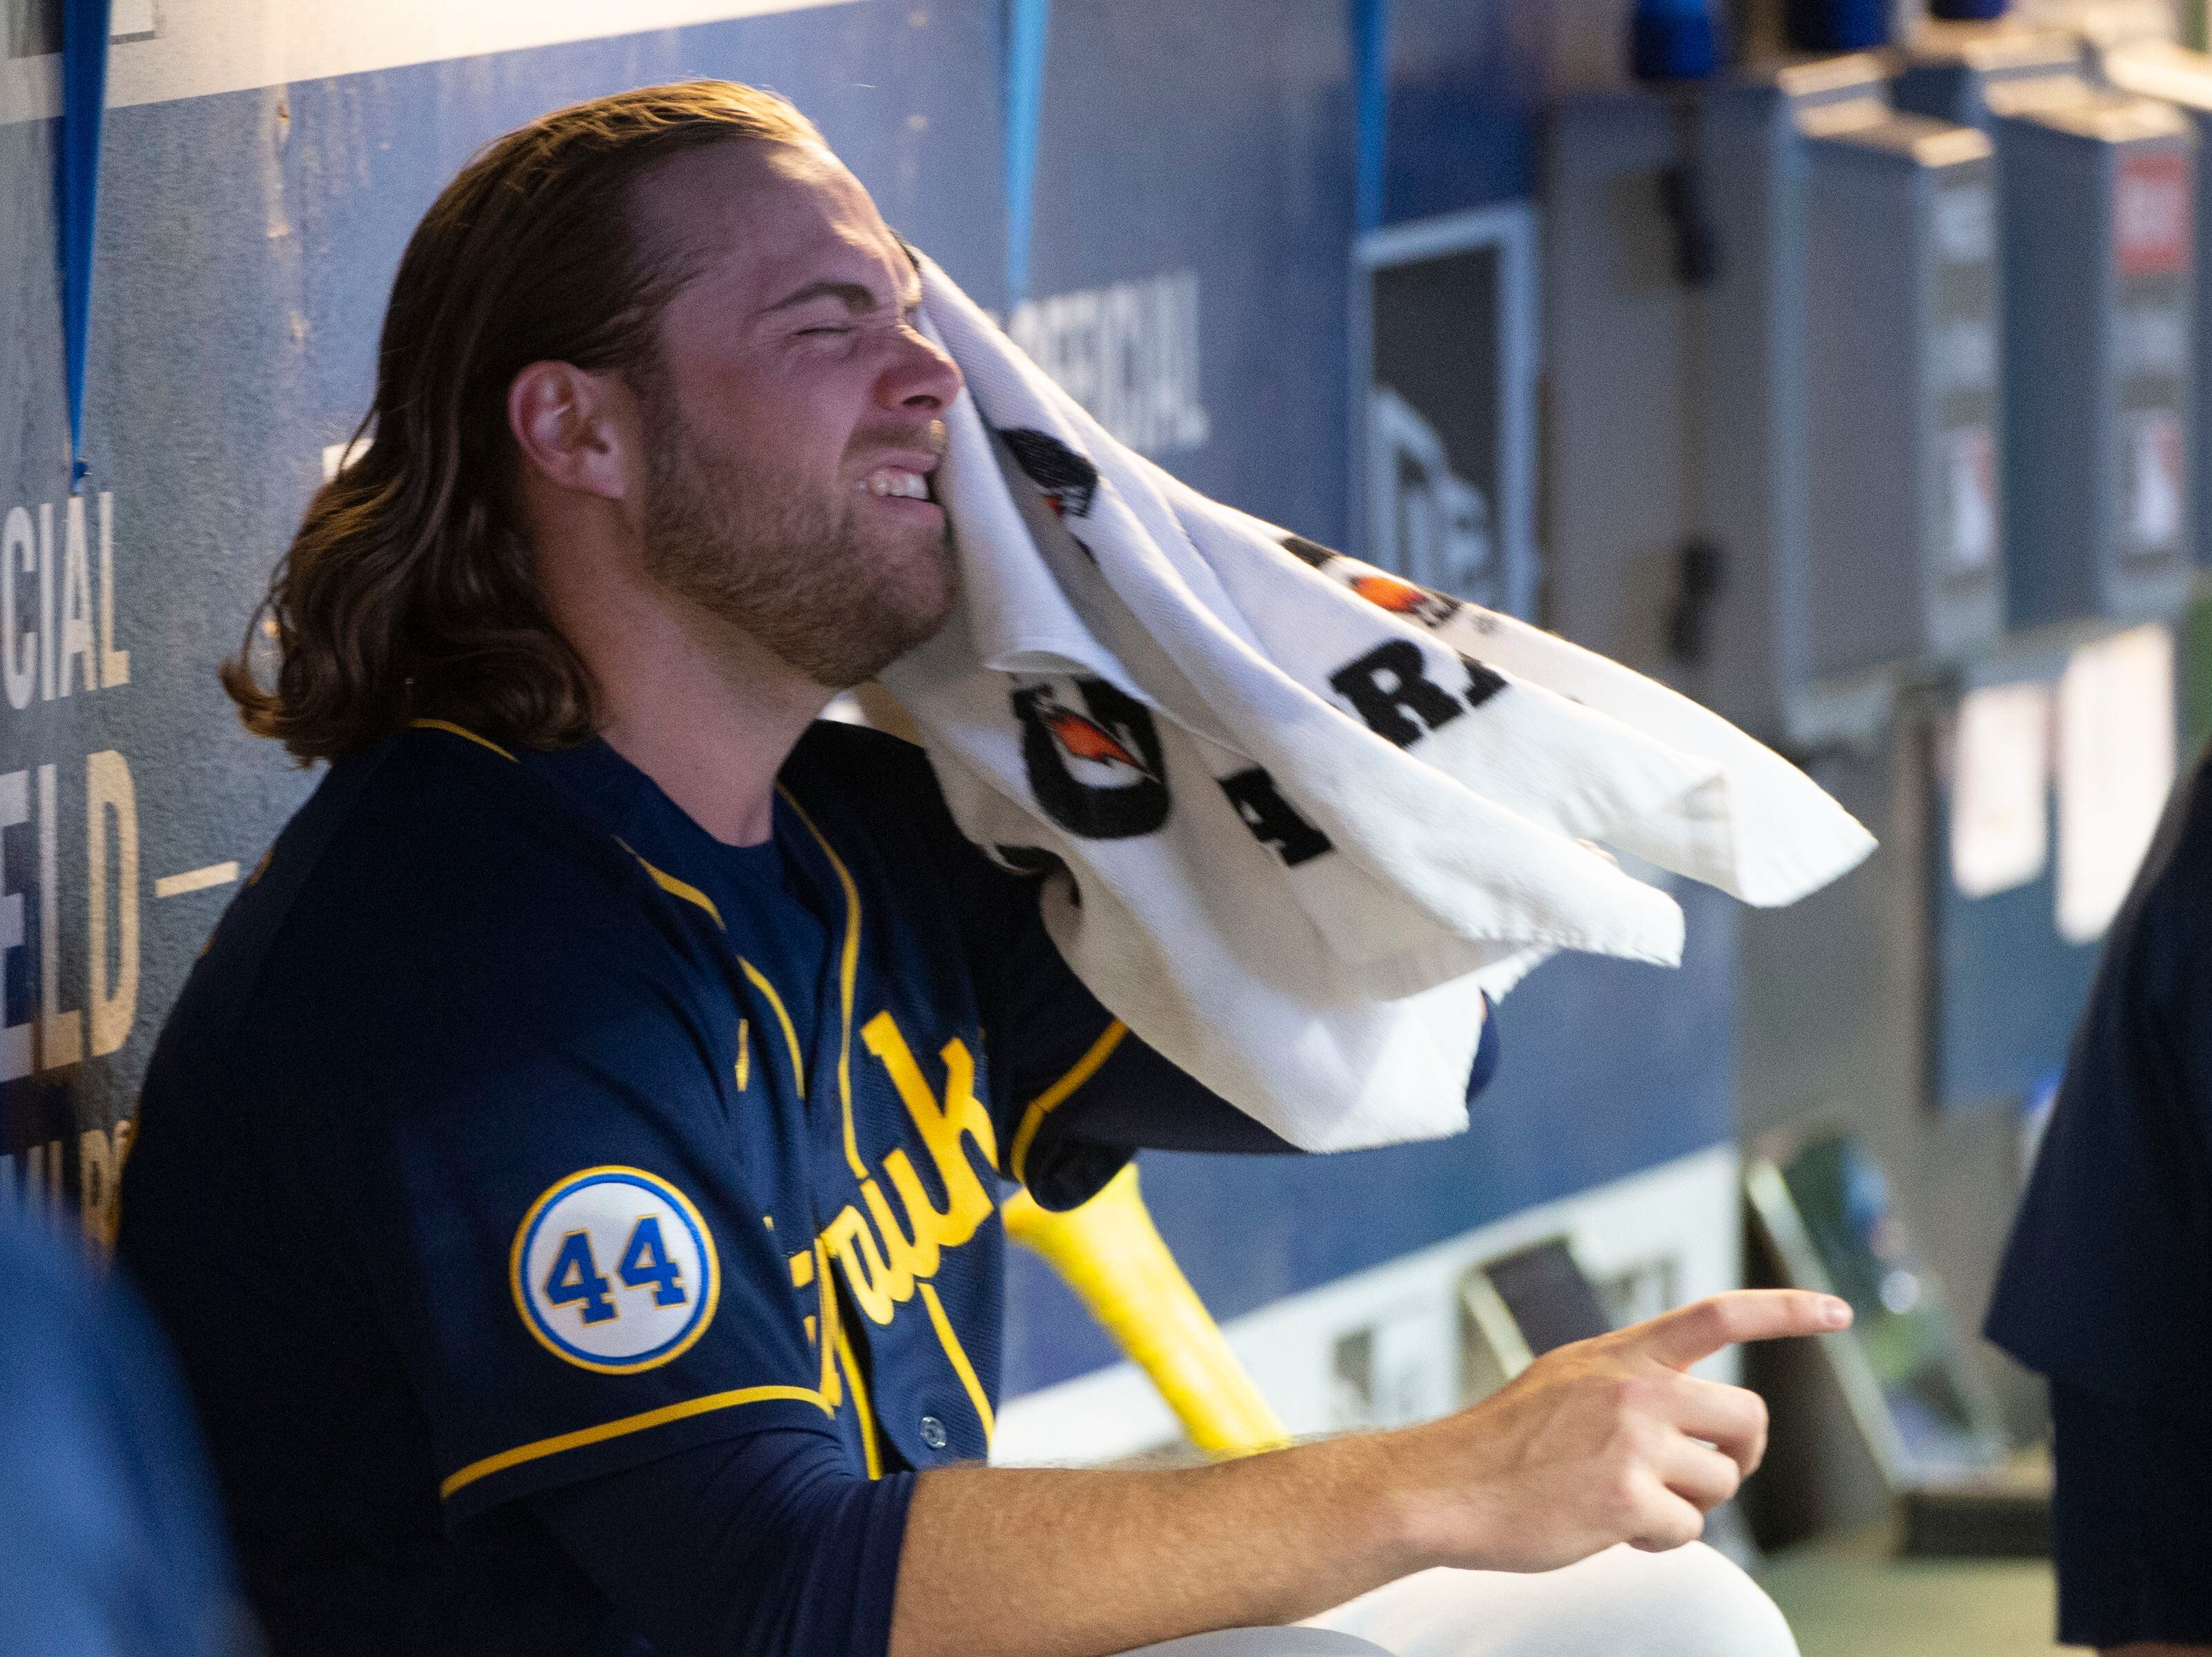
[922, 379]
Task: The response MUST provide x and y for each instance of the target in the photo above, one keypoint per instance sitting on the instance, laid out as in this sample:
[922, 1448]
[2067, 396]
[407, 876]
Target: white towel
[1303, 814]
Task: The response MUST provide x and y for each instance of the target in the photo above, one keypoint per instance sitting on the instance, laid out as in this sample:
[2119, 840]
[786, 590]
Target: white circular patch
[613, 1269]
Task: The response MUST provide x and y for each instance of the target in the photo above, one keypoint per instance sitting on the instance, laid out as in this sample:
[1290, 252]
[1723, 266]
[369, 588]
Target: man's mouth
[896, 480]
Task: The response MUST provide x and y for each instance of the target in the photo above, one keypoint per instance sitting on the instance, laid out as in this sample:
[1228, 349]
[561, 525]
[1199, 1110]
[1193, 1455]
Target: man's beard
[788, 564]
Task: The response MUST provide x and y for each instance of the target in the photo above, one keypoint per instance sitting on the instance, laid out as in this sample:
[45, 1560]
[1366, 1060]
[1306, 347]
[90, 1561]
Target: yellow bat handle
[1110, 1253]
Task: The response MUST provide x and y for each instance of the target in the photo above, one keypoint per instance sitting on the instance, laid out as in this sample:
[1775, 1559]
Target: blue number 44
[646, 1261]
[575, 1275]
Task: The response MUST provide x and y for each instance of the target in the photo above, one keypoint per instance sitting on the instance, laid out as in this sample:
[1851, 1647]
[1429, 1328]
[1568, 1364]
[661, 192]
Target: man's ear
[569, 425]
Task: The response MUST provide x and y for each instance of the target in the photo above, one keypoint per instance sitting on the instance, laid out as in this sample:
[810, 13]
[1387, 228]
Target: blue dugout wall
[1195, 179]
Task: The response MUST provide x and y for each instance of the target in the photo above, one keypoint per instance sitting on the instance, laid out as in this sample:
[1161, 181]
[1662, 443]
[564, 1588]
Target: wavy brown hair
[410, 589]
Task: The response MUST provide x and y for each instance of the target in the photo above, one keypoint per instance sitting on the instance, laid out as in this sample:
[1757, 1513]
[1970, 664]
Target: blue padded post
[1371, 72]
[84, 109]
[1673, 40]
[1028, 28]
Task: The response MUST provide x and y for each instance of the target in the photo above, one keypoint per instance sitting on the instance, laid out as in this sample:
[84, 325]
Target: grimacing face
[793, 418]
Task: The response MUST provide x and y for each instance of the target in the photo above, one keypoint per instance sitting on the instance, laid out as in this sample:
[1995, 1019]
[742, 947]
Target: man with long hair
[569, 1175]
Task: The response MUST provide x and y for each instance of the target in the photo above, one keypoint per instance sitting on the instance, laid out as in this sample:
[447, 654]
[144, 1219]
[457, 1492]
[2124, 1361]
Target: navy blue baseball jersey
[512, 1130]
[513, 1138]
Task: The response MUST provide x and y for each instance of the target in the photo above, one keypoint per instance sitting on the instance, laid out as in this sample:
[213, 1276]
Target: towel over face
[1300, 815]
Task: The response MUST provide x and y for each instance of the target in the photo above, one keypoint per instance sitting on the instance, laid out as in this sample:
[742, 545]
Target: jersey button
[933, 1432]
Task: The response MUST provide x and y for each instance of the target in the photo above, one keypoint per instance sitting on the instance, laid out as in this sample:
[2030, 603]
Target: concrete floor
[1850, 1598]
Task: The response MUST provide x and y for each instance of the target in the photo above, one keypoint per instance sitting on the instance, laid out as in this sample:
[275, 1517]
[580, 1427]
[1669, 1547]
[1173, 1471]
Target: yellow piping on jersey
[958, 1354]
[848, 964]
[673, 887]
[661, 877]
[1050, 1100]
[758, 980]
[637, 1423]
[832, 1322]
[463, 731]
[851, 1367]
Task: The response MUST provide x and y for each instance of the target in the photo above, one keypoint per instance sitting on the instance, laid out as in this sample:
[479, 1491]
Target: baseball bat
[1111, 1254]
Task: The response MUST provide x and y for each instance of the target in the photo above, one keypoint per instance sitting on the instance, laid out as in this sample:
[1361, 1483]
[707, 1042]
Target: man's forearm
[1603, 1441]
[1053, 1562]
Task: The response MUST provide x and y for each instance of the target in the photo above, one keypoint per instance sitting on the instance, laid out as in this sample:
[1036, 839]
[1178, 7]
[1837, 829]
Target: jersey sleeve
[768, 1544]
[530, 1146]
[1077, 1091]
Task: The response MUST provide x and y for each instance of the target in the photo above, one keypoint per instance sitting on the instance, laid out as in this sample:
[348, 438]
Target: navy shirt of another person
[577, 1229]
[2106, 1284]
[110, 1539]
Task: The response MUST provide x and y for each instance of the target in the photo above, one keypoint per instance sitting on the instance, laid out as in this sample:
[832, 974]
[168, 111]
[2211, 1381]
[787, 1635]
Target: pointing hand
[1603, 1441]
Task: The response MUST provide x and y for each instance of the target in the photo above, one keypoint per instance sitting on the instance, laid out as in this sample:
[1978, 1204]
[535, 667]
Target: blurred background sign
[2116, 759]
[1446, 366]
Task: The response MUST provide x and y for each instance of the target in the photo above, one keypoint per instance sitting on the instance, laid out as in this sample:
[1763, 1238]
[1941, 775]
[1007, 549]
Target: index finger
[1693, 1332]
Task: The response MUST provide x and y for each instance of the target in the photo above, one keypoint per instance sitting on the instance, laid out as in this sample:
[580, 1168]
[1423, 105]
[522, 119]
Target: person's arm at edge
[1605, 1440]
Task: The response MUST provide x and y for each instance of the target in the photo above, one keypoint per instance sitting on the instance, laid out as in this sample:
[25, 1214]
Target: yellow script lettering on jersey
[883, 1259]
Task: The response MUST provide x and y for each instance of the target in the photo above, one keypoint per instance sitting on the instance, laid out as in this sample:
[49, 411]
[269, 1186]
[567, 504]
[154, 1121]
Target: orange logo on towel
[1101, 773]
[1087, 739]
[1386, 592]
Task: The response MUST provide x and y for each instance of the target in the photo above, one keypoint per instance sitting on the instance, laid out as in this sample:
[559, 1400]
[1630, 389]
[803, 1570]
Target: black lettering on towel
[1274, 820]
[1388, 690]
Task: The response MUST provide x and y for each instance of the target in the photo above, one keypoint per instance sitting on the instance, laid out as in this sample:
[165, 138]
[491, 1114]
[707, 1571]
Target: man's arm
[1603, 1441]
